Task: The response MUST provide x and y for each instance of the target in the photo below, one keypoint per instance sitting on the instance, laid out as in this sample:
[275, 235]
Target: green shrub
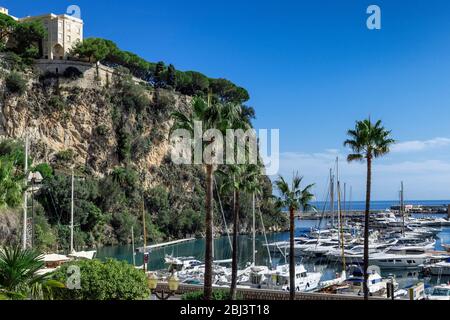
[15, 83]
[57, 103]
[65, 155]
[45, 170]
[216, 295]
[102, 130]
[110, 280]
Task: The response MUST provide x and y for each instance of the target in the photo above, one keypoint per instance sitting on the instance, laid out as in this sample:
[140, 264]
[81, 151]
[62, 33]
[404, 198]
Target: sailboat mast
[25, 198]
[254, 230]
[402, 208]
[71, 214]
[132, 246]
[332, 197]
[145, 233]
[341, 221]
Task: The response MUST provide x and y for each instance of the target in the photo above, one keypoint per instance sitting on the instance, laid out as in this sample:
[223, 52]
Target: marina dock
[163, 244]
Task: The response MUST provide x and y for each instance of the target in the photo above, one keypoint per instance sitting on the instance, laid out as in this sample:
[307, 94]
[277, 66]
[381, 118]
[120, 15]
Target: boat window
[441, 292]
[409, 261]
[397, 260]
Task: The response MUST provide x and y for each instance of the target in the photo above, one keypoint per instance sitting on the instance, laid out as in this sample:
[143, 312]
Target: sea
[222, 249]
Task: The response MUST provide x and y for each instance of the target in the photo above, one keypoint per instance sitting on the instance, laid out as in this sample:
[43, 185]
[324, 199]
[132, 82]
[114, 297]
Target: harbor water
[222, 250]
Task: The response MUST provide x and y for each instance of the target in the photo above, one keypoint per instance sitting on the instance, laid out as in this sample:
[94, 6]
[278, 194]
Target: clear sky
[312, 68]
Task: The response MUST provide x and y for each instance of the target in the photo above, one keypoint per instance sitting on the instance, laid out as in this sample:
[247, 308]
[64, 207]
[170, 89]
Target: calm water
[223, 251]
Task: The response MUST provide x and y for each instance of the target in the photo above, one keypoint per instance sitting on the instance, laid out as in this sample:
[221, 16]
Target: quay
[263, 294]
[163, 244]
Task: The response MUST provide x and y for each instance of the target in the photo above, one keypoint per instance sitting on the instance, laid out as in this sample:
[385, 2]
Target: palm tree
[368, 141]
[211, 117]
[239, 177]
[19, 278]
[253, 186]
[294, 198]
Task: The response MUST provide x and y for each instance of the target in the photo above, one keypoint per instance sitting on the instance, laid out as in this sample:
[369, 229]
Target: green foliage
[56, 102]
[18, 279]
[28, 36]
[7, 27]
[10, 184]
[134, 97]
[110, 280]
[45, 237]
[45, 170]
[14, 151]
[124, 144]
[102, 130]
[190, 82]
[216, 295]
[65, 156]
[15, 83]
[93, 49]
[171, 77]
[368, 140]
[158, 75]
[55, 197]
[13, 62]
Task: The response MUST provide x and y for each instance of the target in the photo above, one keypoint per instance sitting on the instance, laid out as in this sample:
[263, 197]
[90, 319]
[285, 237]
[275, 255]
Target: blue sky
[312, 68]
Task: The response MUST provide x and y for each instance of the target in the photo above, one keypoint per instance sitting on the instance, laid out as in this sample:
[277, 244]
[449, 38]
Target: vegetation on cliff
[115, 138]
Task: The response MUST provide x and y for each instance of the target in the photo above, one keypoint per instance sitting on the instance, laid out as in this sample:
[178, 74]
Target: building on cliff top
[63, 32]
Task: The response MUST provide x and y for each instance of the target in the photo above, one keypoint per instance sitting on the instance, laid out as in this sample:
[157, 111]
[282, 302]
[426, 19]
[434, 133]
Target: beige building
[63, 31]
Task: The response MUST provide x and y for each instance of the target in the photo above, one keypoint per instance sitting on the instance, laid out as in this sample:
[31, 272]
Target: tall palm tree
[253, 186]
[238, 178]
[368, 141]
[19, 278]
[294, 198]
[211, 117]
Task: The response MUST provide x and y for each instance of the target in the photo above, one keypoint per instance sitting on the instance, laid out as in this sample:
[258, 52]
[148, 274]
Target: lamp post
[33, 178]
[173, 282]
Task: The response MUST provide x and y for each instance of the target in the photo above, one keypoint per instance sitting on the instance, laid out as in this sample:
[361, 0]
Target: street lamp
[173, 282]
[33, 178]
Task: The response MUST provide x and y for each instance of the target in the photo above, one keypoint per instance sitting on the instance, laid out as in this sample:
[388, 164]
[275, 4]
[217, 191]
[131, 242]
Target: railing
[262, 294]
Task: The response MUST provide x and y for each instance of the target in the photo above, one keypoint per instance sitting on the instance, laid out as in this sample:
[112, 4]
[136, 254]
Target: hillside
[116, 138]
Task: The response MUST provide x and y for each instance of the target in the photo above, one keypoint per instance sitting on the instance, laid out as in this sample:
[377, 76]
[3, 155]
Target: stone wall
[93, 75]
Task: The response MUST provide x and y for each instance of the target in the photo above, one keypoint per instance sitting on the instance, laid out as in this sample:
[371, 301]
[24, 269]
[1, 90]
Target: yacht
[440, 269]
[253, 277]
[278, 279]
[441, 292]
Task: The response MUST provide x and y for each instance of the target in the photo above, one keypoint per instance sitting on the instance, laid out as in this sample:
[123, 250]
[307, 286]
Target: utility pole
[71, 214]
[25, 198]
[132, 246]
[145, 236]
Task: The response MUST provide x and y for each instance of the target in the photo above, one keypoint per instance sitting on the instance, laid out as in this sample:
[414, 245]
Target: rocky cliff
[63, 119]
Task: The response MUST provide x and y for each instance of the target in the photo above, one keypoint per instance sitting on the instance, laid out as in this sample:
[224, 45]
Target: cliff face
[59, 117]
